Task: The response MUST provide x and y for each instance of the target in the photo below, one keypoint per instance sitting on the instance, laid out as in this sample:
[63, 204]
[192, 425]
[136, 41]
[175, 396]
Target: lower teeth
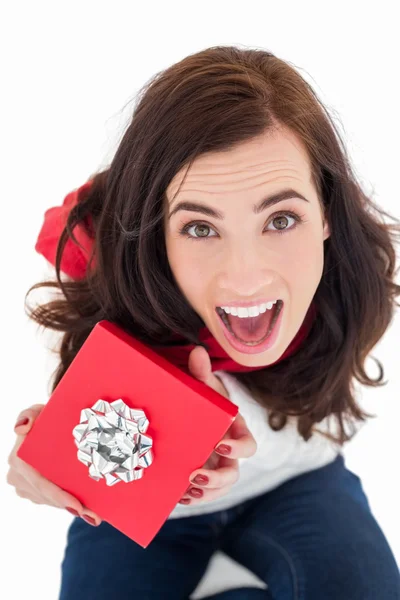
[274, 318]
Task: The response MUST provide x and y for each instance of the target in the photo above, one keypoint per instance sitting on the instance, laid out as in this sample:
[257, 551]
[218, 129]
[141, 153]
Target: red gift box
[186, 420]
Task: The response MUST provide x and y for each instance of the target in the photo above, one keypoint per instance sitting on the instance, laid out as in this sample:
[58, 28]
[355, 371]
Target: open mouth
[251, 330]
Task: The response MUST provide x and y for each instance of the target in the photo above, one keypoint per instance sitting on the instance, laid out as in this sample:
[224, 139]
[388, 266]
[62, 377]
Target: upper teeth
[248, 311]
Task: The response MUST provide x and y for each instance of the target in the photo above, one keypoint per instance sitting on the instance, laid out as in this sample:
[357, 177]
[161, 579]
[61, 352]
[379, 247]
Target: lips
[251, 330]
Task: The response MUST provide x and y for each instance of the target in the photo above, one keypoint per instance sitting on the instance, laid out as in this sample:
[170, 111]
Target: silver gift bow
[111, 441]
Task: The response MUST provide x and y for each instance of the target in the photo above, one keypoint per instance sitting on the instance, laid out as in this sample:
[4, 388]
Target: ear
[326, 231]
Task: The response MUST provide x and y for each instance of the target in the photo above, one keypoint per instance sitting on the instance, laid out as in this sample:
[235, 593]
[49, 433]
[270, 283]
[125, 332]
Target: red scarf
[74, 264]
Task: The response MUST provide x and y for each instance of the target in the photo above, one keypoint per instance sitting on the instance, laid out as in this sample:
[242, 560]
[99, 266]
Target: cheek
[304, 264]
[191, 274]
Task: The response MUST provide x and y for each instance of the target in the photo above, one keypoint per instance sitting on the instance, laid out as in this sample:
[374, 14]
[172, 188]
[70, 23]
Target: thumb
[27, 418]
[199, 364]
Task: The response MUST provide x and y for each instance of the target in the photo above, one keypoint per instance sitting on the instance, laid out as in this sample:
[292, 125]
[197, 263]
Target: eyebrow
[257, 208]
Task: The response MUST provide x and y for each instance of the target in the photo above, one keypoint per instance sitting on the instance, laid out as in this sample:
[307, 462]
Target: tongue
[251, 329]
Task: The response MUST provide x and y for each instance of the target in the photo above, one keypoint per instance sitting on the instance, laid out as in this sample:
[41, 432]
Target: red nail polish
[224, 449]
[72, 511]
[196, 493]
[89, 520]
[184, 501]
[201, 480]
[22, 421]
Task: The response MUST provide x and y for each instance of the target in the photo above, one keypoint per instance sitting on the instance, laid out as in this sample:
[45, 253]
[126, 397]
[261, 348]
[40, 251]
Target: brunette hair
[211, 101]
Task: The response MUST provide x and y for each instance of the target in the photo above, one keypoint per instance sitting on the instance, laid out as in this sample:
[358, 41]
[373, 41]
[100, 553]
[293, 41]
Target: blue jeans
[312, 538]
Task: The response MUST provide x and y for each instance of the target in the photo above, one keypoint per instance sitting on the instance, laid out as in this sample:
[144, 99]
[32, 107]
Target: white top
[280, 455]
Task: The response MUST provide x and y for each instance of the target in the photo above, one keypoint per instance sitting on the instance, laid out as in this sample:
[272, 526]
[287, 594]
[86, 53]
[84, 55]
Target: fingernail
[21, 421]
[184, 501]
[196, 493]
[89, 520]
[72, 511]
[224, 449]
[201, 480]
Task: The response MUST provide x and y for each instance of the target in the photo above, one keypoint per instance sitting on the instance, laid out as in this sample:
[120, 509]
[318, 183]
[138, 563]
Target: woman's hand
[30, 484]
[220, 471]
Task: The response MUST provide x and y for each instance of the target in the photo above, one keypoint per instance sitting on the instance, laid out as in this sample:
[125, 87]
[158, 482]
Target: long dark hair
[211, 101]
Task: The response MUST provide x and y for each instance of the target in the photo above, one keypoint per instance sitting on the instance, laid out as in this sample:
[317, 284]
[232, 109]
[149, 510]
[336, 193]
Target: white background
[68, 70]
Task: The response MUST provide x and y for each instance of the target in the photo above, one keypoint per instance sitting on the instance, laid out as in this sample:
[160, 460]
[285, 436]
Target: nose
[247, 271]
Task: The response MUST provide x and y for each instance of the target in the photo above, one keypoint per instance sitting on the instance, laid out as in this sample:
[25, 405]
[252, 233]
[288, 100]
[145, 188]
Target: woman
[231, 189]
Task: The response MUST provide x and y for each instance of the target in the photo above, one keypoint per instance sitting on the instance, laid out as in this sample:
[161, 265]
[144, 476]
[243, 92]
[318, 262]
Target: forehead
[269, 158]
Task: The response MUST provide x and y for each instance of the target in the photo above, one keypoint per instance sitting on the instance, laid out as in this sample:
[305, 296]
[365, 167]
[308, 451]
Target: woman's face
[239, 255]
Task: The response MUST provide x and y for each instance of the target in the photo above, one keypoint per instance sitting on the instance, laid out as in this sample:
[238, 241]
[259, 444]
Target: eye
[282, 219]
[201, 229]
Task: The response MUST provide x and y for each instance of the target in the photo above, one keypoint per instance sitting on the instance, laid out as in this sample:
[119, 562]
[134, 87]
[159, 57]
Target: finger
[26, 495]
[15, 479]
[242, 448]
[26, 419]
[49, 492]
[40, 490]
[199, 364]
[217, 478]
[239, 443]
[22, 488]
[25, 490]
[238, 428]
[64, 500]
[208, 495]
[24, 475]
